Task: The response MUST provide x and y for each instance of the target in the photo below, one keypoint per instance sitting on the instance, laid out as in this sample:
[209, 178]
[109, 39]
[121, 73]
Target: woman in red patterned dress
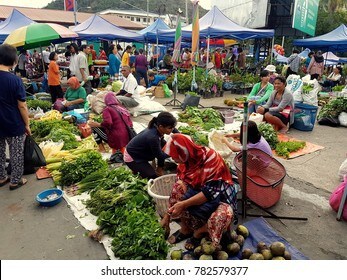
[203, 197]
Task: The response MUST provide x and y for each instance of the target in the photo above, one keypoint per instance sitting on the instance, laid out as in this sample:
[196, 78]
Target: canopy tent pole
[208, 54]
[272, 47]
[157, 52]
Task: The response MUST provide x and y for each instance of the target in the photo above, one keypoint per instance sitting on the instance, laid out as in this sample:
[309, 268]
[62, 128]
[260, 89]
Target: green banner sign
[305, 16]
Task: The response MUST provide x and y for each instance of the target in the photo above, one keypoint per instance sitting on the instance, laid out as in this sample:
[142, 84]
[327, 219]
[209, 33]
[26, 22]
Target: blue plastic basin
[44, 197]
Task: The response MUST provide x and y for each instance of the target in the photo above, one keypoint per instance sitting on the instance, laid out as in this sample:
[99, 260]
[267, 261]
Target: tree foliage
[155, 6]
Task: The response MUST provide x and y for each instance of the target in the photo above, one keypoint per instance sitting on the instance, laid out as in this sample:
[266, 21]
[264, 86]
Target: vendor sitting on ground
[278, 110]
[75, 95]
[203, 198]
[113, 128]
[154, 80]
[334, 77]
[260, 92]
[128, 94]
[254, 139]
[147, 146]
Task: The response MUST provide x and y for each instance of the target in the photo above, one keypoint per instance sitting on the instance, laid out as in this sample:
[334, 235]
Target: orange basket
[265, 176]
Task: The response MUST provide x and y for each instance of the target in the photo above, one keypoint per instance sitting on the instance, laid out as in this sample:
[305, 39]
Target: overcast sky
[41, 3]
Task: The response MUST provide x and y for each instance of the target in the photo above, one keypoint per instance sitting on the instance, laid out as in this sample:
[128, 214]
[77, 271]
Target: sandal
[3, 183]
[178, 237]
[22, 182]
[192, 243]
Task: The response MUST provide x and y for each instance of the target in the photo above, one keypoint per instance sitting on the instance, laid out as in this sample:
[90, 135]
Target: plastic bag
[329, 121]
[33, 156]
[343, 119]
[166, 89]
[336, 197]
[342, 170]
[215, 143]
[311, 97]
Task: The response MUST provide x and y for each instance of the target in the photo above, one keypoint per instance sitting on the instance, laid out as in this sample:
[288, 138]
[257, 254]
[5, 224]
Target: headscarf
[200, 164]
[112, 101]
[73, 83]
[318, 57]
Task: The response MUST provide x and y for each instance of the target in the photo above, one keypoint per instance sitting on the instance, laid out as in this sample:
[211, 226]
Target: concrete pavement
[31, 232]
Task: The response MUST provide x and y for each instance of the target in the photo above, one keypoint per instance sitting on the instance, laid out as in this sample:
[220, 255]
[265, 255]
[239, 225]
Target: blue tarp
[151, 32]
[215, 24]
[96, 28]
[260, 230]
[14, 21]
[335, 40]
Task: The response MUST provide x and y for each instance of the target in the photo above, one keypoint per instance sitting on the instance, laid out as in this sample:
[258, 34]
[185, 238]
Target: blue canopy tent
[215, 24]
[150, 33]
[335, 40]
[15, 20]
[96, 28]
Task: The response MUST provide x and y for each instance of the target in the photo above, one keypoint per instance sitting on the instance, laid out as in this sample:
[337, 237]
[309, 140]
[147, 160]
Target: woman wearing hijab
[203, 197]
[316, 66]
[113, 129]
[75, 95]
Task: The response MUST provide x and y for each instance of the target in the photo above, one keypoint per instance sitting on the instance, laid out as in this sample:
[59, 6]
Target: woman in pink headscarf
[113, 128]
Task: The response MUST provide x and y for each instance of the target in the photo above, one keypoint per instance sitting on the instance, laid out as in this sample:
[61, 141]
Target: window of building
[132, 19]
[144, 20]
[138, 19]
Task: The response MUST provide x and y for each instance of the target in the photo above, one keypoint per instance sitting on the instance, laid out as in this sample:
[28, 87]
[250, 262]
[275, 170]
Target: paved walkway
[32, 232]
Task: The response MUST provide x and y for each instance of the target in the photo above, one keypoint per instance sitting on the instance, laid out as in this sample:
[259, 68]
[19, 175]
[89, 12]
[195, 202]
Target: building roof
[129, 12]
[65, 17]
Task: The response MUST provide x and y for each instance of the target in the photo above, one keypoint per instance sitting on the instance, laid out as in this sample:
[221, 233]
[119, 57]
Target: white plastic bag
[256, 117]
[342, 170]
[343, 119]
[311, 97]
[215, 143]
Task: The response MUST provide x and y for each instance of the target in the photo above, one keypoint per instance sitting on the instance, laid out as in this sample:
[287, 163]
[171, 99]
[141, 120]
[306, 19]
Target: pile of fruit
[237, 102]
[232, 246]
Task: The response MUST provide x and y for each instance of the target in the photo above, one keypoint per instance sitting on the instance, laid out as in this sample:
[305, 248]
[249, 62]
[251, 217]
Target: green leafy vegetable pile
[40, 129]
[269, 133]
[74, 171]
[69, 138]
[285, 148]
[35, 103]
[333, 108]
[206, 119]
[198, 137]
[126, 213]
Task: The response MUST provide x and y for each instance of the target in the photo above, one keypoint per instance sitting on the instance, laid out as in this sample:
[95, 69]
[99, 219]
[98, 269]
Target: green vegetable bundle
[69, 138]
[40, 129]
[36, 103]
[269, 133]
[206, 119]
[74, 171]
[198, 137]
[285, 148]
[333, 108]
[125, 212]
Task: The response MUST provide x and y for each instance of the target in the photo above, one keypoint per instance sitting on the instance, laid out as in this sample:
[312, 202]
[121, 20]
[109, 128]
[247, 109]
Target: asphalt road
[35, 233]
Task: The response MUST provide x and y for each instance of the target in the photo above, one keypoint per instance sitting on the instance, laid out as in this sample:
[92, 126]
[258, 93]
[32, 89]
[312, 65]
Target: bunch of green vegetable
[333, 108]
[285, 148]
[37, 103]
[74, 171]
[104, 81]
[269, 133]
[338, 88]
[63, 134]
[125, 212]
[307, 88]
[40, 129]
[198, 137]
[206, 119]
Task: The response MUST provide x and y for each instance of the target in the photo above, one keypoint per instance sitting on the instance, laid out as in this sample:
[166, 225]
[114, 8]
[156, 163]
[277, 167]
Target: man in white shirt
[45, 56]
[128, 95]
[82, 71]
